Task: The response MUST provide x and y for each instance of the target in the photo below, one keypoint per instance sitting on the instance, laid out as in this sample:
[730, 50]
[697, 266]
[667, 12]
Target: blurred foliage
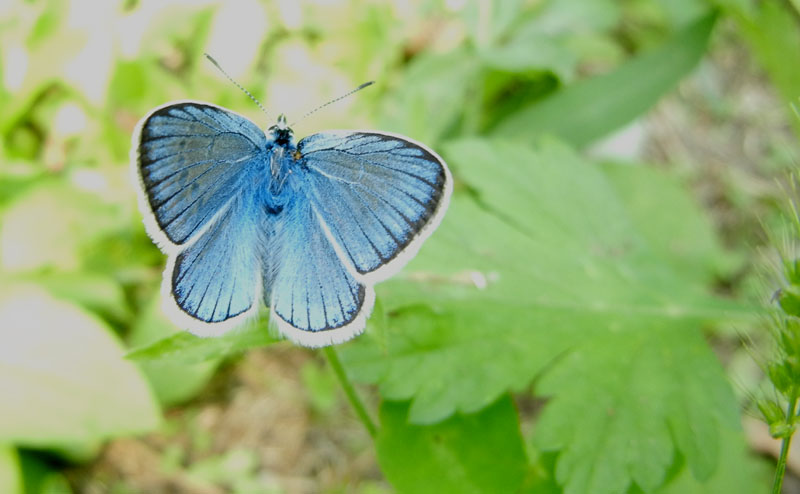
[553, 275]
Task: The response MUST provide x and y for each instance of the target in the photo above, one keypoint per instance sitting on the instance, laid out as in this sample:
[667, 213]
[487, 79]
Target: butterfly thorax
[280, 155]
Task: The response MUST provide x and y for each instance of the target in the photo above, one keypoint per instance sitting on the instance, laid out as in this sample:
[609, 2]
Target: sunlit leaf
[682, 233]
[50, 224]
[58, 359]
[739, 472]
[186, 348]
[547, 262]
[10, 477]
[172, 381]
[653, 391]
[430, 98]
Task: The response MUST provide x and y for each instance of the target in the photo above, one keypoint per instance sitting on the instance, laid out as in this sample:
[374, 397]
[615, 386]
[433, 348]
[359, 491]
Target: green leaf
[487, 21]
[39, 475]
[186, 348]
[682, 234]
[556, 254]
[56, 357]
[432, 82]
[739, 472]
[590, 109]
[10, 475]
[74, 219]
[172, 382]
[467, 454]
[772, 32]
[517, 56]
[95, 292]
[624, 403]
[545, 261]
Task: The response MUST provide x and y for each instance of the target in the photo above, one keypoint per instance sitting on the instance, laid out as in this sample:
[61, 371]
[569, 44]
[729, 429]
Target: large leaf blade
[593, 108]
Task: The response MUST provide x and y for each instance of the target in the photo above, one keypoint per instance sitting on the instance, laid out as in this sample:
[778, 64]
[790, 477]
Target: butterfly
[249, 217]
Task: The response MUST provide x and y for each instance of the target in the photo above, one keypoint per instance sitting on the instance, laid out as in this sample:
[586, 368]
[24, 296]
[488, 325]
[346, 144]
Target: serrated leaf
[624, 403]
[545, 262]
[739, 472]
[57, 358]
[592, 108]
[186, 348]
[467, 454]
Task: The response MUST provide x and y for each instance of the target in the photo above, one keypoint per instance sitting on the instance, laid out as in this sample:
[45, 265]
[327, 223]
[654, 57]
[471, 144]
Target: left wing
[378, 195]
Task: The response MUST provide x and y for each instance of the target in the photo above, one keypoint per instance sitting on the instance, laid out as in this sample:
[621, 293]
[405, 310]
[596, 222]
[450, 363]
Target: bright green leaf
[432, 82]
[592, 108]
[49, 225]
[739, 472]
[186, 348]
[10, 476]
[623, 403]
[172, 382]
[467, 454]
[58, 359]
[487, 21]
[574, 16]
[682, 233]
[518, 56]
[546, 261]
[93, 291]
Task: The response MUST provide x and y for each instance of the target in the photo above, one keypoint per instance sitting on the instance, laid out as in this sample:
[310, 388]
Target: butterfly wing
[380, 196]
[314, 299]
[365, 203]
[198, 167]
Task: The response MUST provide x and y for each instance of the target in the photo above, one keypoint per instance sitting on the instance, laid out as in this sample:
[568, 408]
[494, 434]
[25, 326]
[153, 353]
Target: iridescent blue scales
[249, 218]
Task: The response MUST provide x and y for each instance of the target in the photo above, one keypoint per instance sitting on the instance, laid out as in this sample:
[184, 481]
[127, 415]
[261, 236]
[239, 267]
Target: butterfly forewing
[193, 159]
[378, 194]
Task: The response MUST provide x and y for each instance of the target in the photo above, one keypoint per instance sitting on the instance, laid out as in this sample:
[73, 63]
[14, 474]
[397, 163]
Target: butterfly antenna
[211, 59]
[359, 88]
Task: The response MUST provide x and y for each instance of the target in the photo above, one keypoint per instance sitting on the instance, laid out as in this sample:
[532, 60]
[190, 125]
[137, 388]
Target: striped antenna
[211, 59]
[359, 88]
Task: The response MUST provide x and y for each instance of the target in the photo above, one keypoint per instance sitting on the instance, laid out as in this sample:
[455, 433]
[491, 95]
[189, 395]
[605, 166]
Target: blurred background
[701, 91]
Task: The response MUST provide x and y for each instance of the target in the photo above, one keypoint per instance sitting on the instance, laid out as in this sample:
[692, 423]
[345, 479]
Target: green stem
[349, 390]
[785, 443]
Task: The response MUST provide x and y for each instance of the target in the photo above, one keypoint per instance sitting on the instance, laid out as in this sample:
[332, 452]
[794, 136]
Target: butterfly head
[280, 132]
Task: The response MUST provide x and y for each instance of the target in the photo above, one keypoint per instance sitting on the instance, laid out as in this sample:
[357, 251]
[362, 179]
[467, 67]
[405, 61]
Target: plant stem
[349, 390]
[785, 443]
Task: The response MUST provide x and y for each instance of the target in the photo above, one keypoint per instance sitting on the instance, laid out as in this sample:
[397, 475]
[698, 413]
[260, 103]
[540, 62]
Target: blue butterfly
[249, 217]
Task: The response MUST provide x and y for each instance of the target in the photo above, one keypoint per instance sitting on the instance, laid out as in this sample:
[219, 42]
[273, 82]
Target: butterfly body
[305, 228]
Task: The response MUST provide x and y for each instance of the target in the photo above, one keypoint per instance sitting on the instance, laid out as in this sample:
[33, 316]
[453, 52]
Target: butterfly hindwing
[215, 278]
[379, 194]
[314, 298]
